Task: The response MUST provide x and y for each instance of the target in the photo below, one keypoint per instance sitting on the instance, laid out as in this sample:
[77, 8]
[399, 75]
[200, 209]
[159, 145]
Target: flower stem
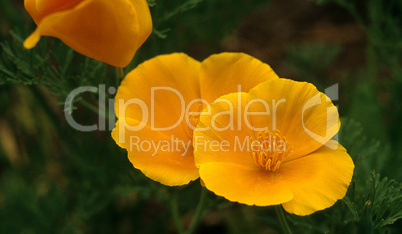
[119, 75]
[174, 209]
[198, 212]
[282, 220]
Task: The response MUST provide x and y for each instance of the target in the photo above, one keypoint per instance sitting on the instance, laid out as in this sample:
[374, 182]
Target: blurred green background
[54, 179]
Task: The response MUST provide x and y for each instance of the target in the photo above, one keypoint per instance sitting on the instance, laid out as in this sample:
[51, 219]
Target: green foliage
[366, 152]
[386, 201]
[375, 202]
[51, 64]
[379, 207]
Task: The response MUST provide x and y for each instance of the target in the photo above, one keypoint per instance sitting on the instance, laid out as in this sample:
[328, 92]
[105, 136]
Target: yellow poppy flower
[158, 105]
[273, 146]
[109, 31]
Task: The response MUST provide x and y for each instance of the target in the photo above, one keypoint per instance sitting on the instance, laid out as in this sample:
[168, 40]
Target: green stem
[282, 220]
[174, 209]
[119, 75]
[90, 107]
[198, 212]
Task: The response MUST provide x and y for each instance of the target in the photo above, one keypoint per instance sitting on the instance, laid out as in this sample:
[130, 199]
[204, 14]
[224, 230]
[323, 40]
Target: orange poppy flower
[273, 146]
[109, 31]
[158, 105]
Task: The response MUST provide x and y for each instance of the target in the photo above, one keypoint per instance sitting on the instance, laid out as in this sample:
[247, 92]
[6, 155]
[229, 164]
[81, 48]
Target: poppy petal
[40, 8]
[161, 89]
[105, 30]
[221, 135]
[151, 106]
[144, 20]
[305, 116]
[165, 158]
[317, 180]
[251, 186]
[226, 73]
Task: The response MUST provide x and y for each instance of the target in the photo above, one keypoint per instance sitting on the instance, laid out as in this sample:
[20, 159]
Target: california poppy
[158, 105]
[109, 31]
[272, 145]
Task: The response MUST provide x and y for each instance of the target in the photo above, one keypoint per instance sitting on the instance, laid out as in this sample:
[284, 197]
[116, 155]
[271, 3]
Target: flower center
[269, 149]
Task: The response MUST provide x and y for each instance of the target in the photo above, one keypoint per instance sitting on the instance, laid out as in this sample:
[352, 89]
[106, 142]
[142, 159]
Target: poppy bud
[108, 31]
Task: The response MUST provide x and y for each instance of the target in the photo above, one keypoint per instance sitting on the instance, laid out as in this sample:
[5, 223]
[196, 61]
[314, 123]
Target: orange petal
[32, 40]
[151, 106]
[161, 89]
[162, 157]
[144, 20]
[46, 7]
[226, 73]
[317, 180]
[41, 8]
[30, 7]
[217, 137]
[306, 117]
[108, 31]
[251, 186]
[166, 168]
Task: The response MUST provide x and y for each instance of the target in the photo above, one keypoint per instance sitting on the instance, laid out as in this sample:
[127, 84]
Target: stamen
[269, 149]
